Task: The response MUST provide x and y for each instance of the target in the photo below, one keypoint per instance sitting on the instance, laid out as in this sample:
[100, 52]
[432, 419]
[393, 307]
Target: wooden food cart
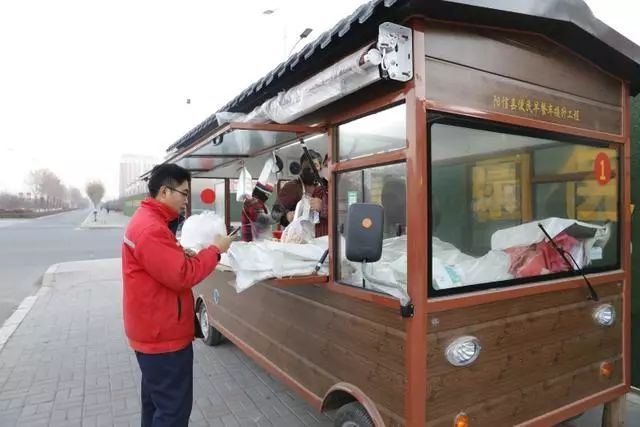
[471, 123]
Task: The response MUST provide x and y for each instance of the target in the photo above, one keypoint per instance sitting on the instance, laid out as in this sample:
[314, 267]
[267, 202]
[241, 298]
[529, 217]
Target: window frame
[335, 232]
[435, 117]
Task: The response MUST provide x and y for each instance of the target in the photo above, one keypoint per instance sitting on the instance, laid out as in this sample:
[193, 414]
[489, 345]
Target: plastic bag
[268, 174]
[199, 231]
[245, 186]
[299, 231]
[261, 228]
[304, 212]
[256, 261]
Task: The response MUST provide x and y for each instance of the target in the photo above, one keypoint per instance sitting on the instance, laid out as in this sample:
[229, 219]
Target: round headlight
[463, 351]
[605, 315]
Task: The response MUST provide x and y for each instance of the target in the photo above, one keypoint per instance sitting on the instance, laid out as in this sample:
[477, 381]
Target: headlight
[463, 351]
[605, 315]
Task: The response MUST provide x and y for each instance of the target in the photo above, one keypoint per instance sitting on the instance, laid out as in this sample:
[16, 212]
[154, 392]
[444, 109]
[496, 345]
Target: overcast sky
[83, 82]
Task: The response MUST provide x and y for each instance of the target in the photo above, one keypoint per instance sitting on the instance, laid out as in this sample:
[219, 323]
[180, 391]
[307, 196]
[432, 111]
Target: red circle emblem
[602, 168]
[208, 196]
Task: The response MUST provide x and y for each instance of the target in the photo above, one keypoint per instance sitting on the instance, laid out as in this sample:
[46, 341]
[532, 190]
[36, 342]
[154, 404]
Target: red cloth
[251, 208]
[541, 258]
[157, 278]
[289, 196]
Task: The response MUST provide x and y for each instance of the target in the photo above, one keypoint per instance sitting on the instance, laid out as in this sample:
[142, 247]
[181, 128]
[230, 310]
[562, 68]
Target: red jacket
[251, 208]
[157, 279]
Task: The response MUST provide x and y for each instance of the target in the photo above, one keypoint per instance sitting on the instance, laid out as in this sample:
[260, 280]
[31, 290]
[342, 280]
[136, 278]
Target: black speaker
[365, 223]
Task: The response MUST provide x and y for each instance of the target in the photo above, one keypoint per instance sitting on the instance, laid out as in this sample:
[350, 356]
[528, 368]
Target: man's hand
[316, 204]
[190, 253]
[222, 243]
[290, 216]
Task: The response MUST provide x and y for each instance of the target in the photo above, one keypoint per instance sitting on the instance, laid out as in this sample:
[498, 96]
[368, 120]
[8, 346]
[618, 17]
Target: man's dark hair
[167, 174]
[314, 155]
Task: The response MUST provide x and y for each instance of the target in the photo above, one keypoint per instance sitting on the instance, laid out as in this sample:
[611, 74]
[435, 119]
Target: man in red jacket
[158, 306]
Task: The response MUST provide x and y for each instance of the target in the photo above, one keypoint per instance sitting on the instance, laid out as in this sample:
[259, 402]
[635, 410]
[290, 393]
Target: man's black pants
[167, 388]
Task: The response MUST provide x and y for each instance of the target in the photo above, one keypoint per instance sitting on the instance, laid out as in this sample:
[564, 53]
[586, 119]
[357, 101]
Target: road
[29, 247]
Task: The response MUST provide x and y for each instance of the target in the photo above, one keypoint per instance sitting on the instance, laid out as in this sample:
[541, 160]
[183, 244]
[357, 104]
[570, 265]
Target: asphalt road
[29, 247]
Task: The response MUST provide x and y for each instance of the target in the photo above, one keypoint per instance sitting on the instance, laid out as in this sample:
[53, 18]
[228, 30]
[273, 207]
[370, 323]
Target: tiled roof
[569, 22]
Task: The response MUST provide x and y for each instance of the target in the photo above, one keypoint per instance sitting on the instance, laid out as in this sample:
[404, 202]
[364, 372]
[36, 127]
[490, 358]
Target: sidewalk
[104, 220]
[68, 364]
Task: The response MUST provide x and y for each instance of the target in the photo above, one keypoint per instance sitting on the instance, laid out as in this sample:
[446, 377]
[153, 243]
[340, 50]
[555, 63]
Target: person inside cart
[255, 219]
[291, 193]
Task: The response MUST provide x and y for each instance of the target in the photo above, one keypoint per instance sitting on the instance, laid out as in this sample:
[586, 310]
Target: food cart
[485, 146]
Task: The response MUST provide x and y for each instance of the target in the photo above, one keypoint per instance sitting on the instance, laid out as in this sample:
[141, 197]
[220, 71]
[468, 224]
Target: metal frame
[191, 152]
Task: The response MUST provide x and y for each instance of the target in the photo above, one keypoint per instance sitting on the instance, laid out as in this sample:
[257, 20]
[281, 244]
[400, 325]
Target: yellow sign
[535, 108]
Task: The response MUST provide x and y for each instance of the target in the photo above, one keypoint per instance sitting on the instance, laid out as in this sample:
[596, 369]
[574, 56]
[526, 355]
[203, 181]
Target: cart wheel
[212, 336]
[574, 418]
[353, 415]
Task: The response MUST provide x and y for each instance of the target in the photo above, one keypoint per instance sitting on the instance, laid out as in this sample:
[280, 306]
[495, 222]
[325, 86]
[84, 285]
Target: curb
[95, 227]
[11, 324]
[88, 224]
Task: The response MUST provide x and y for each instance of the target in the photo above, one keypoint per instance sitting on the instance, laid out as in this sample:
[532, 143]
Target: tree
[76, 198]
[45, 183]
[95, 192]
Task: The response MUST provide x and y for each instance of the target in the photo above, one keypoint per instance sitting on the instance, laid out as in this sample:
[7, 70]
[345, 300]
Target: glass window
[377, 133]
[490, 190]
[384, 185]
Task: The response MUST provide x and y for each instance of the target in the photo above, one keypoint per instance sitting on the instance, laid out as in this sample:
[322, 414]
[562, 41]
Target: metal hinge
[395, 45]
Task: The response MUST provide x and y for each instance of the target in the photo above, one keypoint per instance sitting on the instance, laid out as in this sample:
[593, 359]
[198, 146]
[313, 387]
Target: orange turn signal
[462, 420]
[606, 369]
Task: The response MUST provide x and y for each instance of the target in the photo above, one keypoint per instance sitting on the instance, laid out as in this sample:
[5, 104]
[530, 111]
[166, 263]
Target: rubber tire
[213, 337]
[353, 412]
[574, 418]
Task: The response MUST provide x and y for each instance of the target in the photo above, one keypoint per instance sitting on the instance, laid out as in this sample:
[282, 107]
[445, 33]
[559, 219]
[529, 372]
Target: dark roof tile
[569, 22]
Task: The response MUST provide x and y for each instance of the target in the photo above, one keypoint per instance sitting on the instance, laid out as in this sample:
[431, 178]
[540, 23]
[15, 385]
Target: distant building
[131, 167]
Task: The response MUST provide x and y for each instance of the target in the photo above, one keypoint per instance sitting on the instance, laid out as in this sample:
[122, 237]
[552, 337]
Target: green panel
[635, 237]
[131, 203]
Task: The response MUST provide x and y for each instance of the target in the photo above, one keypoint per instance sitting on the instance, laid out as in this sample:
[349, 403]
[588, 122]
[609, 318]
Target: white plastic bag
[298, 231]
[268, 174]
[303, 209]
[304, 212]
[199, 231]
[256, 261]
[245, 186]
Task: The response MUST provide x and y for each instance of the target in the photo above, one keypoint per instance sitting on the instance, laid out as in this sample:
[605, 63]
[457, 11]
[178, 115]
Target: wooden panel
[530, 401]
[452, 319]
[458, 85]
[531, 346]
[315, 342]
[388, 317]
[524, 57]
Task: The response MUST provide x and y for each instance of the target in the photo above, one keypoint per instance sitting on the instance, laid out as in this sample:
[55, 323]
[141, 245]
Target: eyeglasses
[184, 193]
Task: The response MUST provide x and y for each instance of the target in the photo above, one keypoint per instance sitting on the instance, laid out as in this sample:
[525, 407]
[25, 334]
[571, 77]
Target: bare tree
[47, 186]
[45, 183]
[76, 198]
[95, 192]
[10, 201]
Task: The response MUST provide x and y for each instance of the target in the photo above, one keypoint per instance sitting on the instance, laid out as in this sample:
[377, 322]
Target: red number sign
[602, 168]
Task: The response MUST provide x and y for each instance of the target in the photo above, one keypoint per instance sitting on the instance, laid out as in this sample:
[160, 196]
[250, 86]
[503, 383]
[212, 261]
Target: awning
[234, 141]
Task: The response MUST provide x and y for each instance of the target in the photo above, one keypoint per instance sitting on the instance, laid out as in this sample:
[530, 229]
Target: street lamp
[303, 35]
